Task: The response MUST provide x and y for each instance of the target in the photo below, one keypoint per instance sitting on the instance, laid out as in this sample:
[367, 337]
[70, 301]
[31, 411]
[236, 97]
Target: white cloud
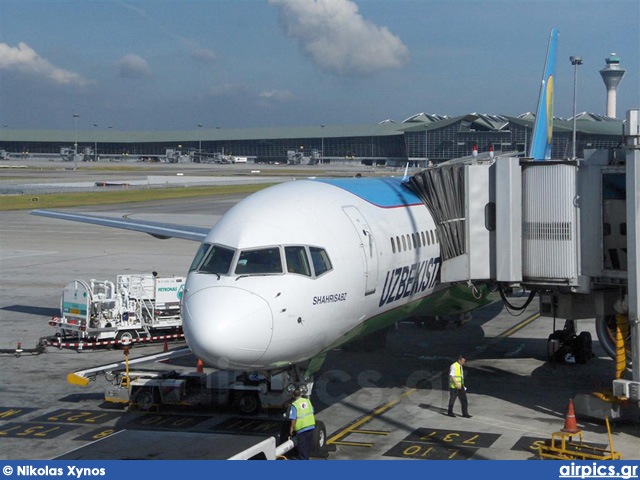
[204, 55]
[279, 95]
[25, 59]
[339, 39]
[133, 66]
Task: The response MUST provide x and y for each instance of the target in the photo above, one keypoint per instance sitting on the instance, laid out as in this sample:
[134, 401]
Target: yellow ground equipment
[563, 447]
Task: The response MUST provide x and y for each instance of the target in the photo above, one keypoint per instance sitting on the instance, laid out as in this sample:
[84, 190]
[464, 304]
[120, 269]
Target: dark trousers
[462, 395]
[305, 442]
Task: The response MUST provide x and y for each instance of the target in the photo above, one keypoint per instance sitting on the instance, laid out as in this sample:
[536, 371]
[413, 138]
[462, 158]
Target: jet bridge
[567, 229]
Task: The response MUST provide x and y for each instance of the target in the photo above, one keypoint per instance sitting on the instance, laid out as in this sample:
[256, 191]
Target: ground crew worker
[303, 423]
[457, 388]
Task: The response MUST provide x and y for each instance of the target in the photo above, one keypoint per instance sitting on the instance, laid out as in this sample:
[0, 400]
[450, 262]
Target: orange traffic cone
[570, 425]
[165, 350]
[200, 368]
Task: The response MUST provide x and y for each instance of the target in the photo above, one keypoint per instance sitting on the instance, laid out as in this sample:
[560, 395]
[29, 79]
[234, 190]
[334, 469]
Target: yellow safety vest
[304, 411]
[458, 376]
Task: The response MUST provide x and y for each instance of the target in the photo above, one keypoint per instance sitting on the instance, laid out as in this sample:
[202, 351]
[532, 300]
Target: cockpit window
[199, 256]
[217, 260]
[265, 260]
[320, 259]
[297, 261]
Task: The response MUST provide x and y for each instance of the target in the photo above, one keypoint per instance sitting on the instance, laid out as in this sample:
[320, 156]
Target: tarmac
[382, 405]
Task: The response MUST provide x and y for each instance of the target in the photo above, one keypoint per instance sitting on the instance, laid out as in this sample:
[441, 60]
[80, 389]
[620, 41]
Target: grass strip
[58, 200]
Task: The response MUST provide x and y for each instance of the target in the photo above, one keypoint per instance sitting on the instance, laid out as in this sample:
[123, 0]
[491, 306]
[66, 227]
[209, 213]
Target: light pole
[75, 144]
[95, 149]
[575, 61]
[200, 141]
[322, 145]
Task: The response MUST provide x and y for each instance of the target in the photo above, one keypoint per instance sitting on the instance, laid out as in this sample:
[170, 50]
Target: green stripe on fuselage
[449, 301]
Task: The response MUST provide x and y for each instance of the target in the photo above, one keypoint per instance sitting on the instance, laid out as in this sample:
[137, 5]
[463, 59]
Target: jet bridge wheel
[582, 347]
[554, 344]
[563, 342]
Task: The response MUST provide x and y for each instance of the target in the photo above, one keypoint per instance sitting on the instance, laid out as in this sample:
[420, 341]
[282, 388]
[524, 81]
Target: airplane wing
[156, 229]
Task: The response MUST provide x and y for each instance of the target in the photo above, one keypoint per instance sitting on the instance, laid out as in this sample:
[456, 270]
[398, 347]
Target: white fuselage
[382, 256]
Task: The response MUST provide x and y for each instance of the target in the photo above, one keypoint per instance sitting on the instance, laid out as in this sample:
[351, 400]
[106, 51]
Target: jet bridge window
[217, 260]
[320, 259]
[297, 260]
[262, 261]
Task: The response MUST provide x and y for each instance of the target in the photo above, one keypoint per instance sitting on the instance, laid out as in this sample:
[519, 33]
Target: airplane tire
[319, 436]
[246, 403]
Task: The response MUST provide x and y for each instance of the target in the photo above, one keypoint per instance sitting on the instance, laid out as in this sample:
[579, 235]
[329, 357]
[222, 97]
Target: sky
[178, 64]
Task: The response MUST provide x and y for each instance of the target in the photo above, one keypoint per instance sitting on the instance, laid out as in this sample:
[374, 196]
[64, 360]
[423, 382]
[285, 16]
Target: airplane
[300, 268]
[276, 282]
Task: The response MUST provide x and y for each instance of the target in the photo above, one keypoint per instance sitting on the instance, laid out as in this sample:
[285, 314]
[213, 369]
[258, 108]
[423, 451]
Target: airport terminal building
[418, 139]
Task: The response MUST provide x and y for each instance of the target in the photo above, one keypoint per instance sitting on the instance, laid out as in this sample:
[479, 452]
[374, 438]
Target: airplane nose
[227, 327]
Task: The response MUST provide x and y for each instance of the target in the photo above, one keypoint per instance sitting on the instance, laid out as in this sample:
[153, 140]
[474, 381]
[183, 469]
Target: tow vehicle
[247, 393]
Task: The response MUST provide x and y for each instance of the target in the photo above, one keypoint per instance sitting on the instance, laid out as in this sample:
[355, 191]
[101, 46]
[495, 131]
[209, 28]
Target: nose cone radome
[227, 327]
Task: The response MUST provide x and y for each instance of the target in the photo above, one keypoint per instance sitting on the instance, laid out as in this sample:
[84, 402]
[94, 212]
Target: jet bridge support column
[631, 388]
[633, 234]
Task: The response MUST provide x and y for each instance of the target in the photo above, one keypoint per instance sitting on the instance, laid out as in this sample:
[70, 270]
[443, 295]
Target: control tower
[612, 75]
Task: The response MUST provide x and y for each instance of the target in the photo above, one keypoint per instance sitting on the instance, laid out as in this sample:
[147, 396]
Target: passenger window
[199, 256]
[265, 260]
[433, 238]
[297, 261]
[398, 244]
[428, 239]
[413, 237]
[408, 241]
[218, 260]
[320, 259]
[404, 244]
[424, 242]
[393, 246]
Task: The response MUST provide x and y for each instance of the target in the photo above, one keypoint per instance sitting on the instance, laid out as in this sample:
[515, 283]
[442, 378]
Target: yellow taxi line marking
[519, 326]
[353, 444]
[354, 427]
[371, 432]
[370, 417]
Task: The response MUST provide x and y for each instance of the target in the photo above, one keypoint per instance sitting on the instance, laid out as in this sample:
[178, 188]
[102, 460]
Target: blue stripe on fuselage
[382, 192]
